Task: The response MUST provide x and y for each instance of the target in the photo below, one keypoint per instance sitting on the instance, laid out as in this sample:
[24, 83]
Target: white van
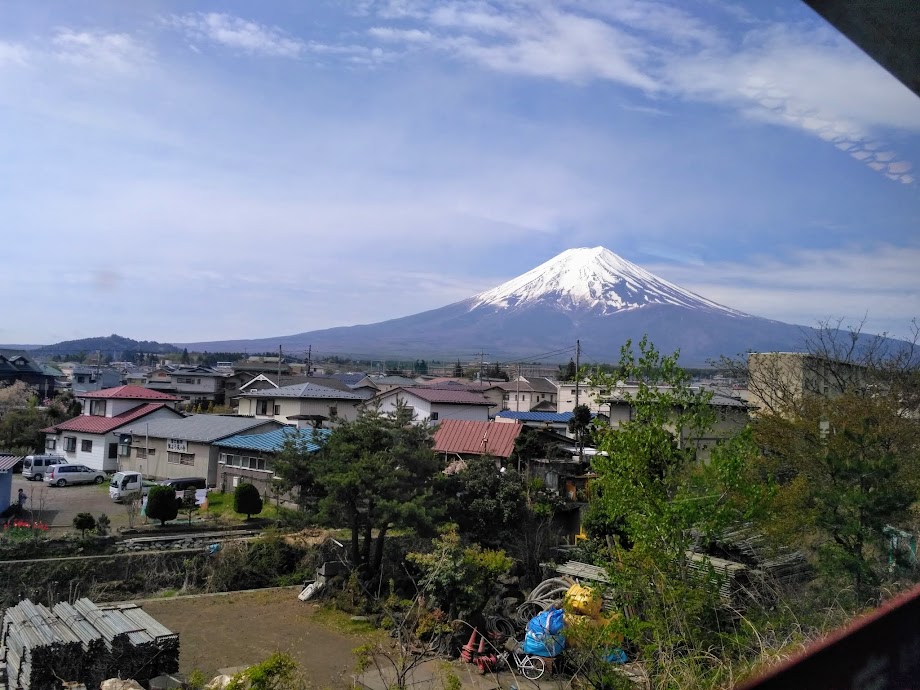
[35, 466]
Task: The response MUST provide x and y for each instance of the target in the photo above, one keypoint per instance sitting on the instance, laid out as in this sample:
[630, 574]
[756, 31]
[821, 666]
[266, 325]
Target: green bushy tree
[247, 500]
[162, 504]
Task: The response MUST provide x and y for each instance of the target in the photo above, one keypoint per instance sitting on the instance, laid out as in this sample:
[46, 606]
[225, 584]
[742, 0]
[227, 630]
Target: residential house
[461, 439]
[85, 379]
[386, 383]
[93, 438]
[302, 404]
[525, 395]
[248, 369]
[432, 404]
[777, 379]
[198, 385]
[19, 366]
[250, 457]
[186, 447]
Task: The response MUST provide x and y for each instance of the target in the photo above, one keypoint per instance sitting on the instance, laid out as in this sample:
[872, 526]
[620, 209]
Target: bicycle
[531, 667]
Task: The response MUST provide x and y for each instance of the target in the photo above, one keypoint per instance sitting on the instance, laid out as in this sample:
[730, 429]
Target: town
[567, 481]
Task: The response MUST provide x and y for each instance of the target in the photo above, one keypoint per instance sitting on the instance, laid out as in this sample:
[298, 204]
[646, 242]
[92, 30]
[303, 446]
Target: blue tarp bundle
[544, 634]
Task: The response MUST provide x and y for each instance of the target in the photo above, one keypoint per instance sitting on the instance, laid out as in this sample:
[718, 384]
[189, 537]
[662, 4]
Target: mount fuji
[589, 294]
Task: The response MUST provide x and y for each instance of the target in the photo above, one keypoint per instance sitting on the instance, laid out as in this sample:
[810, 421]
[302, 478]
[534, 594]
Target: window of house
[262, 407]
[81, 379]
[277, 409]
[434, 416]
[142, 453]
[86, 446]
[70, 443]
[50, 443]
[180, 458]
[333, 410]
[97, 408]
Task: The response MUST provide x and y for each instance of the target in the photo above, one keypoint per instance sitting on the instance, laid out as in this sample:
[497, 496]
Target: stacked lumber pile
[44, 648]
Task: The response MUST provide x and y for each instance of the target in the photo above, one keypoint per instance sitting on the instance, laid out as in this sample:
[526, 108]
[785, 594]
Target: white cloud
[114, 52]
[13, 54]
[240, 34]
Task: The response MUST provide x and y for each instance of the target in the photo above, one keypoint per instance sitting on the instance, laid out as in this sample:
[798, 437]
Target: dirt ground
[57, 506]
[244, 628]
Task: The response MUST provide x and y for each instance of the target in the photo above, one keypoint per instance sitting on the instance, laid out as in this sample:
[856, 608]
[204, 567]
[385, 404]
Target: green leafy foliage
[459, 578]
[247, 500]
[652, 495]
[84, 522]
[277, 672]
[162, 504]
[849, 467]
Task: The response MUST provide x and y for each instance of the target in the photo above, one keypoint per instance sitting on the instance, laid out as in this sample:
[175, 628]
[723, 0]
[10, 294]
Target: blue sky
[219, 170]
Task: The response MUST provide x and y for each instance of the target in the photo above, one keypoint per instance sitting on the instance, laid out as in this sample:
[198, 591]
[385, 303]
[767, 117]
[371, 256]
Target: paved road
[57, 506]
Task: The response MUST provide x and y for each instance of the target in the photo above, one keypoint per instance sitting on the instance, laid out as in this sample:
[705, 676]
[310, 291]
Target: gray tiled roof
[199, 427]
[303, 390]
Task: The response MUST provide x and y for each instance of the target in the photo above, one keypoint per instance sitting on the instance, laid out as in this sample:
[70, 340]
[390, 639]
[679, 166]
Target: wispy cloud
[115, 52]
[802, 76]
[240, 34]
[809, 284]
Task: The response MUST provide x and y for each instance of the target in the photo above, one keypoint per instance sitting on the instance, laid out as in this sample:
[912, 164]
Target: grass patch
[340, 621]
[220, 507]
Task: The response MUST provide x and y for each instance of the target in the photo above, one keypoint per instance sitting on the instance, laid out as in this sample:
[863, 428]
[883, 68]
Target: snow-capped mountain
[588, 294]
[593, 279]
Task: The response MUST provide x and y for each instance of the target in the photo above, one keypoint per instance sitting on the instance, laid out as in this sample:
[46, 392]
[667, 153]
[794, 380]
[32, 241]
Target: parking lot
[57, 506]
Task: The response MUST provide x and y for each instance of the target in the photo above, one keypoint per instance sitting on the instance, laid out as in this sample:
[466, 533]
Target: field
[243, 628]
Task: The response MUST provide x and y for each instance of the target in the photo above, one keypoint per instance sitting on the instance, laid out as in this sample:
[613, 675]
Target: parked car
[183, 483]
[62, 475]
[35, 466]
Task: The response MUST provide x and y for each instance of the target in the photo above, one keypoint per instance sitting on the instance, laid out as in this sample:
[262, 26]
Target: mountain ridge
[589, 294]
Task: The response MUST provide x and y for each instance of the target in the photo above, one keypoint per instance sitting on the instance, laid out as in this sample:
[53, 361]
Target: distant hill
[114, 345]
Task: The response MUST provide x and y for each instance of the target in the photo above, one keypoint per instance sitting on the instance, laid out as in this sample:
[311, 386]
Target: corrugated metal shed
[476, 438]
[8, 462]
[273, 441]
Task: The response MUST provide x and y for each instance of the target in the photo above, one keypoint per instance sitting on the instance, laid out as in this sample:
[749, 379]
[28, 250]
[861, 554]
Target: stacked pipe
[95, 653]
[40, 649]
[83, 643]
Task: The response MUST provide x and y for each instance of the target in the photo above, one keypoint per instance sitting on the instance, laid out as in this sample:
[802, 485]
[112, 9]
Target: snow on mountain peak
[595, 279]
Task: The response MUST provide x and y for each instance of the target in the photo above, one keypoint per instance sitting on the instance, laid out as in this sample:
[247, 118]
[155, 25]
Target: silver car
[62, 475]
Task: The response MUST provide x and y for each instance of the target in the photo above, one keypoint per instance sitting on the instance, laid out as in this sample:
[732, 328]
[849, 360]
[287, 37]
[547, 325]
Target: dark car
[183, 483]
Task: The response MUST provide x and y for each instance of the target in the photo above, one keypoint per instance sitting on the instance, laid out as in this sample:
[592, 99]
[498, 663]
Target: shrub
[84, 522]
[103, 524]
[247, 500]
[162, 504]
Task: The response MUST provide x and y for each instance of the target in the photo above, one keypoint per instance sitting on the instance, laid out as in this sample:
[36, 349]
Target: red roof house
[433, 405]
[92, 439]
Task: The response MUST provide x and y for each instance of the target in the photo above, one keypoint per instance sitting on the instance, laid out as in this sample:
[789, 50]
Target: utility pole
[517, 394]
[577, 369]
[279, 366]
[310, 360]
[481, 355]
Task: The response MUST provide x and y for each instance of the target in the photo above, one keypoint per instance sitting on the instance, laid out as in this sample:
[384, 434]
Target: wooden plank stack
[44, 648]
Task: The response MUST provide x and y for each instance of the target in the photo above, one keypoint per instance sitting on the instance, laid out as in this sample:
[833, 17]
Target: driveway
[57, 506]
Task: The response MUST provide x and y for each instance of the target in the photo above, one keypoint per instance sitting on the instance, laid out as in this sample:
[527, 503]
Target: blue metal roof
[557, 417]
[273, 441]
